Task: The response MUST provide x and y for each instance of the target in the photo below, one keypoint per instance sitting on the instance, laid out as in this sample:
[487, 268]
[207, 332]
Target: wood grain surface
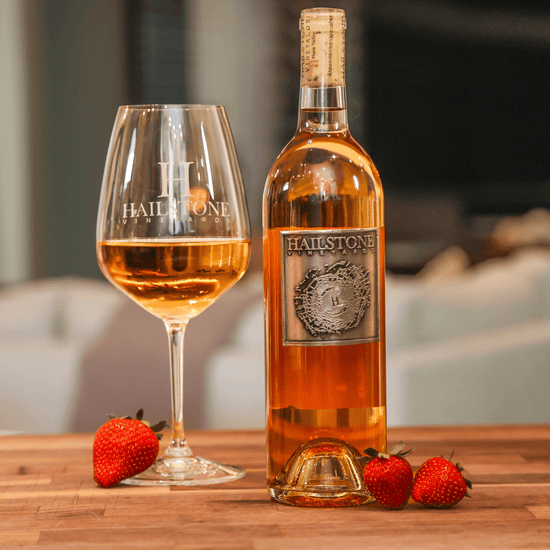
[49, 499]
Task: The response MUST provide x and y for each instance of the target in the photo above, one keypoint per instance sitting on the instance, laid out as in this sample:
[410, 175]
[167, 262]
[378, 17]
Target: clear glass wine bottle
[324, 290]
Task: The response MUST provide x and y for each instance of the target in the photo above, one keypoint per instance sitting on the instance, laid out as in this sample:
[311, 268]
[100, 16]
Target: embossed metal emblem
[333, 301]
[330, 286]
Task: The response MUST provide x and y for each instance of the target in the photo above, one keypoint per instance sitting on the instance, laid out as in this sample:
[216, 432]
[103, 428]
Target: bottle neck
[323, 110]
[323, 104]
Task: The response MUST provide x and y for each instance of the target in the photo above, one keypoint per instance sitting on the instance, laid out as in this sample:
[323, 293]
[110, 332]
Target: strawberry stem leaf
[370, 451]
[396, 451]
[398, 448]
[159, 426]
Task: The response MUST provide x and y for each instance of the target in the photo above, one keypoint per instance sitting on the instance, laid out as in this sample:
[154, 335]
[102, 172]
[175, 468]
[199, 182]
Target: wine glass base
[186, 470]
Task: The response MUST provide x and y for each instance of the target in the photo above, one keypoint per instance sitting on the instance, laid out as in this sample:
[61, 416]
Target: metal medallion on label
[330, 287]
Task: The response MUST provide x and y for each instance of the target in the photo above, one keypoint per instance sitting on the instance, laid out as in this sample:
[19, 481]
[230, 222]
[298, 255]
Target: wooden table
[48, 498]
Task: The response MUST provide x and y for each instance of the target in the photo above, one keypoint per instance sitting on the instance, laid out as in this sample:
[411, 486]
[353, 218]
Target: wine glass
[173, 234]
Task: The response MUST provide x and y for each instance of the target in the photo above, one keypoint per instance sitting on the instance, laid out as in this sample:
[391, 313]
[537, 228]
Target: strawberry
[439, 483]
[123, 448]
[388, 477]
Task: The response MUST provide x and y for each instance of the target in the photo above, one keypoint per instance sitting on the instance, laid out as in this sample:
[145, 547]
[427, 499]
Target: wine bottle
[323, 235]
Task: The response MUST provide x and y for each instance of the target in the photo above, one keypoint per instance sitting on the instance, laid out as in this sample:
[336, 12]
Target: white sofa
[464, 347]
[73, 350]
[46, 329]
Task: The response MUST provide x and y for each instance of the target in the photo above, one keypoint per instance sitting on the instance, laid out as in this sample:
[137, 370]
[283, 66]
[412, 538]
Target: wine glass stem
[178, 445]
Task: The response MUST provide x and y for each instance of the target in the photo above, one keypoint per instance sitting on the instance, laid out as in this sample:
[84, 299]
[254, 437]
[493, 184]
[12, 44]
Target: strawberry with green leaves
[123, 448]
[388, 477]
[440, 484]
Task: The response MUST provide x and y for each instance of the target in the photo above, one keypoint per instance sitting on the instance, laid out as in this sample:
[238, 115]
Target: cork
[323, 47]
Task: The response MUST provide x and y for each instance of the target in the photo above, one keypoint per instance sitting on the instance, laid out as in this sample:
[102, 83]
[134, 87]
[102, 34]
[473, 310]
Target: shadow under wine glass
[173, 233]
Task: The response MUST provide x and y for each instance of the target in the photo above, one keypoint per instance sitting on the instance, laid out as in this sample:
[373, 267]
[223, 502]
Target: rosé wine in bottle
[324, 290]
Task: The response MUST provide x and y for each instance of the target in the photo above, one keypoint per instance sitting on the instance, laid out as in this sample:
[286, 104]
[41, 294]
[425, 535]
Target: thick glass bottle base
[320, 500]
[322, 473]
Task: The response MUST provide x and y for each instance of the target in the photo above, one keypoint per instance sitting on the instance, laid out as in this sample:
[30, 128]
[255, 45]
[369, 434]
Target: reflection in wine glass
[173, 233]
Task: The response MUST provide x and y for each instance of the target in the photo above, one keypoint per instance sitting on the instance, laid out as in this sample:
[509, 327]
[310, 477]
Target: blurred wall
[63, 73]
[66, 65]
[79, 55]
[232, 56]
[450, 99]
[15, 262]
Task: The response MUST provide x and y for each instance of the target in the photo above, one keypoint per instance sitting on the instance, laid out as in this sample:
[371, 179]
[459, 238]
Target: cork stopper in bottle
[323, 47]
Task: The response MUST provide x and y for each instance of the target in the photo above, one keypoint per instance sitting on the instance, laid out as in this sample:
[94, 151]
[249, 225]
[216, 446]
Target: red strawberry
[388, 477]
[440, 484]
[124, 447]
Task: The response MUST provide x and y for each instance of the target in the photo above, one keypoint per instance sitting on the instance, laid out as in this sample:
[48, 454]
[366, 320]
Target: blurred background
[451, 100]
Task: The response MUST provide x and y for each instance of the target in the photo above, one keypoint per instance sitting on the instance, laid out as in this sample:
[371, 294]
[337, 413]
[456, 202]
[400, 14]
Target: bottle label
[330, 287]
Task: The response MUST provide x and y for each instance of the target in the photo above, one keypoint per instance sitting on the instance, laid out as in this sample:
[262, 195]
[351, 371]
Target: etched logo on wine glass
[334, 301]
[178, 202]
[168, 182]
